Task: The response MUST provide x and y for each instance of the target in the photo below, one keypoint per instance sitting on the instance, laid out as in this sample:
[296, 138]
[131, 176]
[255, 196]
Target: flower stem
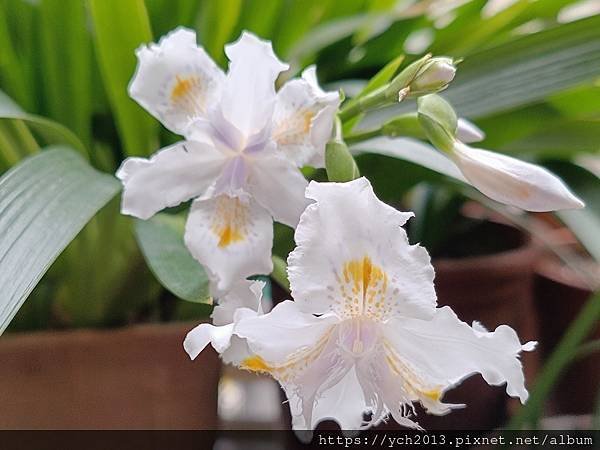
[279, 274]
[353, 108]
[362, 136]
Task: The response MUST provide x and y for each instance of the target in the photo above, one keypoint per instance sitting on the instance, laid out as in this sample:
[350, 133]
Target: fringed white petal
[353, 257]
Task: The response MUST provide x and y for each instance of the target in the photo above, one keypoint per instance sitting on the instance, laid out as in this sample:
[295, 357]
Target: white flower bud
[434, 76]
[468, 132]
[512, 181]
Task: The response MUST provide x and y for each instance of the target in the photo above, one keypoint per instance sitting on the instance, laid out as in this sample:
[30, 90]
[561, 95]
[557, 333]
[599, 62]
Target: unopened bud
[339, 163]
[434, 76]
[399, 87]
[468, 132]
[439, 121]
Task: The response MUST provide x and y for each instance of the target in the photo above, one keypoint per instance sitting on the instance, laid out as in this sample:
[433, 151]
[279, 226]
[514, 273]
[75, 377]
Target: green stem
[587, 349]
[370, 101]
[279, 274]
[363, 136]
[558, 361]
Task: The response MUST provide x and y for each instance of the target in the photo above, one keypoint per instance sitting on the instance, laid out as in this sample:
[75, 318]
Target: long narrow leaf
[411, 150]
[44, 202]
[120, 26]
[52, 132]
[66, 64]
[217, 22]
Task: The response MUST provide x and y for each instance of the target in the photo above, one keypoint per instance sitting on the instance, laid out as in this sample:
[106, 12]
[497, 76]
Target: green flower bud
[339, 163]
[439, 121]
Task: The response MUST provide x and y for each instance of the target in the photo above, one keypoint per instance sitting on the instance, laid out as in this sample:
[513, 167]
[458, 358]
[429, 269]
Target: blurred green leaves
[585, 223]
[66, 60]
[52, 132]
[119, 27]
[217, 21]
[65, 66]
[45, 201]
[521, 71]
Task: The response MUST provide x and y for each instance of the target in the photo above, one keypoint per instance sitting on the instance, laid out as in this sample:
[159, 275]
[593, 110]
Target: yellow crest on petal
[229, 224]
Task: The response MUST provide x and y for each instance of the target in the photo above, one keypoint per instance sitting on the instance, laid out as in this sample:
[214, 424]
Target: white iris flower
[364, 334]
[243, 145]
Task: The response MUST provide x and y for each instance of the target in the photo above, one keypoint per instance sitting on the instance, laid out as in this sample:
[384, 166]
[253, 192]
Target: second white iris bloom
[243, 145]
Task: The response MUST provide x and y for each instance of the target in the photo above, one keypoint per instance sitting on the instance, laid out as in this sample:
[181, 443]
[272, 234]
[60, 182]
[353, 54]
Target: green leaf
[161, 241]
[52, 132]
[166, 15]
[217, 22]
[16, 142]
[66, 64]
[260, 16]
[560, 139]
[121, 26]
[12, 71]
[527, 69]
[329, 33]
[44, 202]
[298, 19]
[413, 151]
[383, 76]
[585, 223]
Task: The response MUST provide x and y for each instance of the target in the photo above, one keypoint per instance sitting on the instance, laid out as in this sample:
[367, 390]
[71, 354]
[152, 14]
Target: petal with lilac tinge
[278, 185]
[514, 182]
[176, 80]
[171, 176]
[303, 119]
[468, 132]
[231, 237]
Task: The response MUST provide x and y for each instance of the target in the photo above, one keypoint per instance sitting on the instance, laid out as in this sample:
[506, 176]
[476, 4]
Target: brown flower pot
[138, 377]
[560, 294]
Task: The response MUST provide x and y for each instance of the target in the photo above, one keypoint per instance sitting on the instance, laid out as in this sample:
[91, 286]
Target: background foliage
[530, 79]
